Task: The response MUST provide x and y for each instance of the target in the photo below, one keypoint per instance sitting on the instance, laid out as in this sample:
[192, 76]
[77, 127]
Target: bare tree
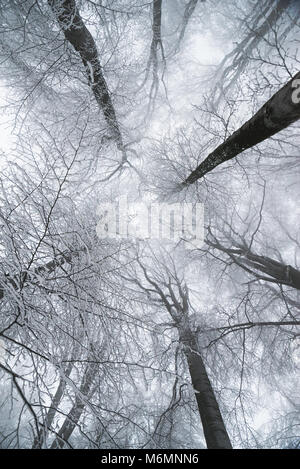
[134, 343]
[40, 438]
[84, 394]
[235, 62]
[261, 267]
[174, 297]
[275, 115]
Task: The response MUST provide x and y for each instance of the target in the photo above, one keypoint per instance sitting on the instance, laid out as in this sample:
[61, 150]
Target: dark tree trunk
[277, 271]
[214, 429]
[294, 276]
[156, 27]
[40, 438]
[76, 33]
[282, 273]
[278, 113]
[156, 37]
[75, 413]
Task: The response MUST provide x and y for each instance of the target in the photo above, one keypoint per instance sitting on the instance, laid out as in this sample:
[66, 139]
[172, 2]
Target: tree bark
[40, 438]
[281, 273]
[75, 413]
[156, 37]
[156, 27]
[77, 34]
[214, 429]
[277, 271]
[278, 113]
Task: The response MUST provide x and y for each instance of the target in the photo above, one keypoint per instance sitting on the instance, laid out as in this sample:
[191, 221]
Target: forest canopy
[188, 337]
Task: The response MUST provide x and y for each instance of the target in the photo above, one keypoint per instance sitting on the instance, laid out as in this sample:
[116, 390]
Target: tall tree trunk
[278, 272]
[156, 42]
[77, 34]
[75, 413]
[156, 27]
[40, 438]
[282, 110]
[281, 273]
[214, 429]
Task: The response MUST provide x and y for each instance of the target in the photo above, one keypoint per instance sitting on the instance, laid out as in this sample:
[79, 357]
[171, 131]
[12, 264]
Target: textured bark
[275, 115]
[40, 438]
[156, 27]
[276, 271]
[214, 429]
[77, 34]
[75, 413]
[294, 276]
[281, 273]
[156, 38]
